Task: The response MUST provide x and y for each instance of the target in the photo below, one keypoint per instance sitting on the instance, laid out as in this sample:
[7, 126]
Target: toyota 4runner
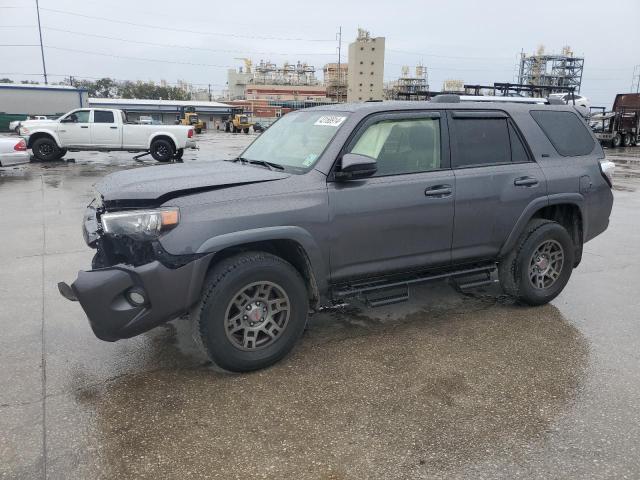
[343, 201]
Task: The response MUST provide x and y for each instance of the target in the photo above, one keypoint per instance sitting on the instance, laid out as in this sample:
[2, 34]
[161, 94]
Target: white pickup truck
[104, 129]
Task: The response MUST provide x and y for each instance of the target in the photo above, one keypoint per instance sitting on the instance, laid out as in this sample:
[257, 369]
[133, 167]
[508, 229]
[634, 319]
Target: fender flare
[535, 205]
[49, 133]
[293, 233]
[155, 135]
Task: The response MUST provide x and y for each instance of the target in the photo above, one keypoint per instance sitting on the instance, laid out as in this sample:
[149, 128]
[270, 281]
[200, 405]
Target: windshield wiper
[269, 165]
[237, 159]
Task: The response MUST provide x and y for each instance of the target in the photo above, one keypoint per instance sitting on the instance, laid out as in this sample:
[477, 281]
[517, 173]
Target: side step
[387, 297]
[366, 288]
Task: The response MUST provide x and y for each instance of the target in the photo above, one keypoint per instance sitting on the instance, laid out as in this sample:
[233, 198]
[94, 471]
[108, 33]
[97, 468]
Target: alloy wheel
[546, 264]
[257, 315]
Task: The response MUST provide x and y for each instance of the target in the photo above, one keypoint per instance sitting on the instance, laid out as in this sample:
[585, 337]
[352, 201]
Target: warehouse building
[17, 101]
[165, 111]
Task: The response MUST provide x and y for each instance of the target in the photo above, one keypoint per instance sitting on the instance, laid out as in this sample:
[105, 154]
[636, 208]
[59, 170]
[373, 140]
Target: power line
[156, 60]
[197, 32]
[165, 45]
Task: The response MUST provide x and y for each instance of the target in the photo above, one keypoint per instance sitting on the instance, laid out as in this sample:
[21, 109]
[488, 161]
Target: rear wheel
[246, 130]
[162, 150]
[45, 149]
[179, 154]
[616, 141]
[539, 267]
[626, 141]
[198, 130]
[253, 310]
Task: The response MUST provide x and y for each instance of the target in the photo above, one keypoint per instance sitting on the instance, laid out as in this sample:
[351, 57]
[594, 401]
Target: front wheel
[253, 310]
[162, 150]
[45, 149]
[539, 267]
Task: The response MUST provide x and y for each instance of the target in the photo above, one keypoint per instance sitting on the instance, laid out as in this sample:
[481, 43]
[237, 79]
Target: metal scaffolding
[541, 69]
[409, 87]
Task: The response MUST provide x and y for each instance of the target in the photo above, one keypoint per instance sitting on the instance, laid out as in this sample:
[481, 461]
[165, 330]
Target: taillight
[21, 146]
[190, 133]
[607, 167]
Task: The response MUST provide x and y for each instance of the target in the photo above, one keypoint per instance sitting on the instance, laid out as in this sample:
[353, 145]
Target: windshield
[297, 139]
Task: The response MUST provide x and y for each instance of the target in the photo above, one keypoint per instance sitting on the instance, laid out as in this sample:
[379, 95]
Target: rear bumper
[14, 158]
[104, 296]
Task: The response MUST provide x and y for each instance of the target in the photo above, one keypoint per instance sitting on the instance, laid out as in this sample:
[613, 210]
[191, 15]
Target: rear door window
[480, 141]
[102, 116]
[566, 132]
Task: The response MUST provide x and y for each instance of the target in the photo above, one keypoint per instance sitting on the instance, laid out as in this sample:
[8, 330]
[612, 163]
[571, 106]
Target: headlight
[140, 224]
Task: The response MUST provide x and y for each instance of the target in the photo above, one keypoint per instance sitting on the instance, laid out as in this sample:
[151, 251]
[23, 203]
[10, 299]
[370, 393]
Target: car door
[73, 129]
[105, 131]
[496, 178]
[402, 217]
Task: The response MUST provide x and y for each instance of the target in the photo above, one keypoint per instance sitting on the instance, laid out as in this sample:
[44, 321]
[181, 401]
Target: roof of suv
[390, 105]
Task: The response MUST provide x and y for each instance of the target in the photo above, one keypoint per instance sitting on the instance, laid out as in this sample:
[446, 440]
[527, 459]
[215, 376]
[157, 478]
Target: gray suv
[343, 201]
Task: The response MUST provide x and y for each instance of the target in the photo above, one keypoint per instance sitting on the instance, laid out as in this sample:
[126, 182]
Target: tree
[6, 80]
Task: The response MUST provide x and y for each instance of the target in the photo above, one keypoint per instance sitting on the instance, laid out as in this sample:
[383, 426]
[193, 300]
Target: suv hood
[154, 185]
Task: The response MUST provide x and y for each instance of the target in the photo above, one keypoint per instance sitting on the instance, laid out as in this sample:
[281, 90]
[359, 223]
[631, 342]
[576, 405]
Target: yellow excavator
[189, 117]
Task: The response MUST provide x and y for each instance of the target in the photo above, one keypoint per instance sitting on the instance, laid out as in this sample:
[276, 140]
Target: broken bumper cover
[162, 294]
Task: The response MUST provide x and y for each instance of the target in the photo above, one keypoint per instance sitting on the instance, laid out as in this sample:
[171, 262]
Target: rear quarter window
[566, 132]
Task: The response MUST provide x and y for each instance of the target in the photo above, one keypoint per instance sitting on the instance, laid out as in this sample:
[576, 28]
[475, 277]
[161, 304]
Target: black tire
[221, 299]
[516, 268]
[246, 130]
[626, 141]
[179, 154]
[162, 150]
[17, 130]
[45, 149]
[198, 130]
[61, 153]
[616, 141]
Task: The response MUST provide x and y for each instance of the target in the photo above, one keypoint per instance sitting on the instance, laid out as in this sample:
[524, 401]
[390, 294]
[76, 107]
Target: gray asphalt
[448, 385]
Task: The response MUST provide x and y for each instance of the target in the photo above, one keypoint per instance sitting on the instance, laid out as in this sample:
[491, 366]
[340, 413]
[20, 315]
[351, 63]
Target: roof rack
[450, 98]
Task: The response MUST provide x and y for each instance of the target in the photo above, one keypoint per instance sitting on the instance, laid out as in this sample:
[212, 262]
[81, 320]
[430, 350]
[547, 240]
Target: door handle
[84, 126]
[439, 191]
[525, 182]
[113, 128]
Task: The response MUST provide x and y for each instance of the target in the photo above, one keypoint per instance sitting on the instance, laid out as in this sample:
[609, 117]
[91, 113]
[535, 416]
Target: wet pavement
[448, 385]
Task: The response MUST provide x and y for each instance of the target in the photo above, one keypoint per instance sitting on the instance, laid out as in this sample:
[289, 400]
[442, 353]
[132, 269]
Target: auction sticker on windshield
[330, 120]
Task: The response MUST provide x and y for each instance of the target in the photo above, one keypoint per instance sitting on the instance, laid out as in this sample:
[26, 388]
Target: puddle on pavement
[428, 385]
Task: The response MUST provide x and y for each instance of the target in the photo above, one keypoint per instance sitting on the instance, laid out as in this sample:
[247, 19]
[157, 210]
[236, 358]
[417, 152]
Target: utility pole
[44, 67]
[339, 89]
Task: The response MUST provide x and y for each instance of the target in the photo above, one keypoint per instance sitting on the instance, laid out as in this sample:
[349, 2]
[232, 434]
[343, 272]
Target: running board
[365, 287]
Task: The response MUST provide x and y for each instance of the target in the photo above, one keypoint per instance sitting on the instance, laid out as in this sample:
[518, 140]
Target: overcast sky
[477, 42]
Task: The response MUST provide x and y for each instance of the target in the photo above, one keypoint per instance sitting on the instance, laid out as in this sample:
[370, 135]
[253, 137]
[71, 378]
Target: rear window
[565, 131]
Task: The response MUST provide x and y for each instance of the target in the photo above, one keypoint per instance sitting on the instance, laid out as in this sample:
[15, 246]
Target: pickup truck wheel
[162, 150]
[539, 267]
[45, 149]
[61, 153]
[252, 311]
[179, 154]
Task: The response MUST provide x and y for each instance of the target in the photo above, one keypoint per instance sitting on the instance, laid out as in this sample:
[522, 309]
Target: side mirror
[355, 166]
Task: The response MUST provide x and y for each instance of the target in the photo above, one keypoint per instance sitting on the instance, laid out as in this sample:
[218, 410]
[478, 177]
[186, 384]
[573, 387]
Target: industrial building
[412, 85]
[366, 68]
[335, 79]
[165, 111]
[268, 81]
[552, 70]
[17, 101]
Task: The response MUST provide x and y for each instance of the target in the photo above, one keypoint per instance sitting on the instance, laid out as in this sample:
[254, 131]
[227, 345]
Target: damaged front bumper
[126, 299]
